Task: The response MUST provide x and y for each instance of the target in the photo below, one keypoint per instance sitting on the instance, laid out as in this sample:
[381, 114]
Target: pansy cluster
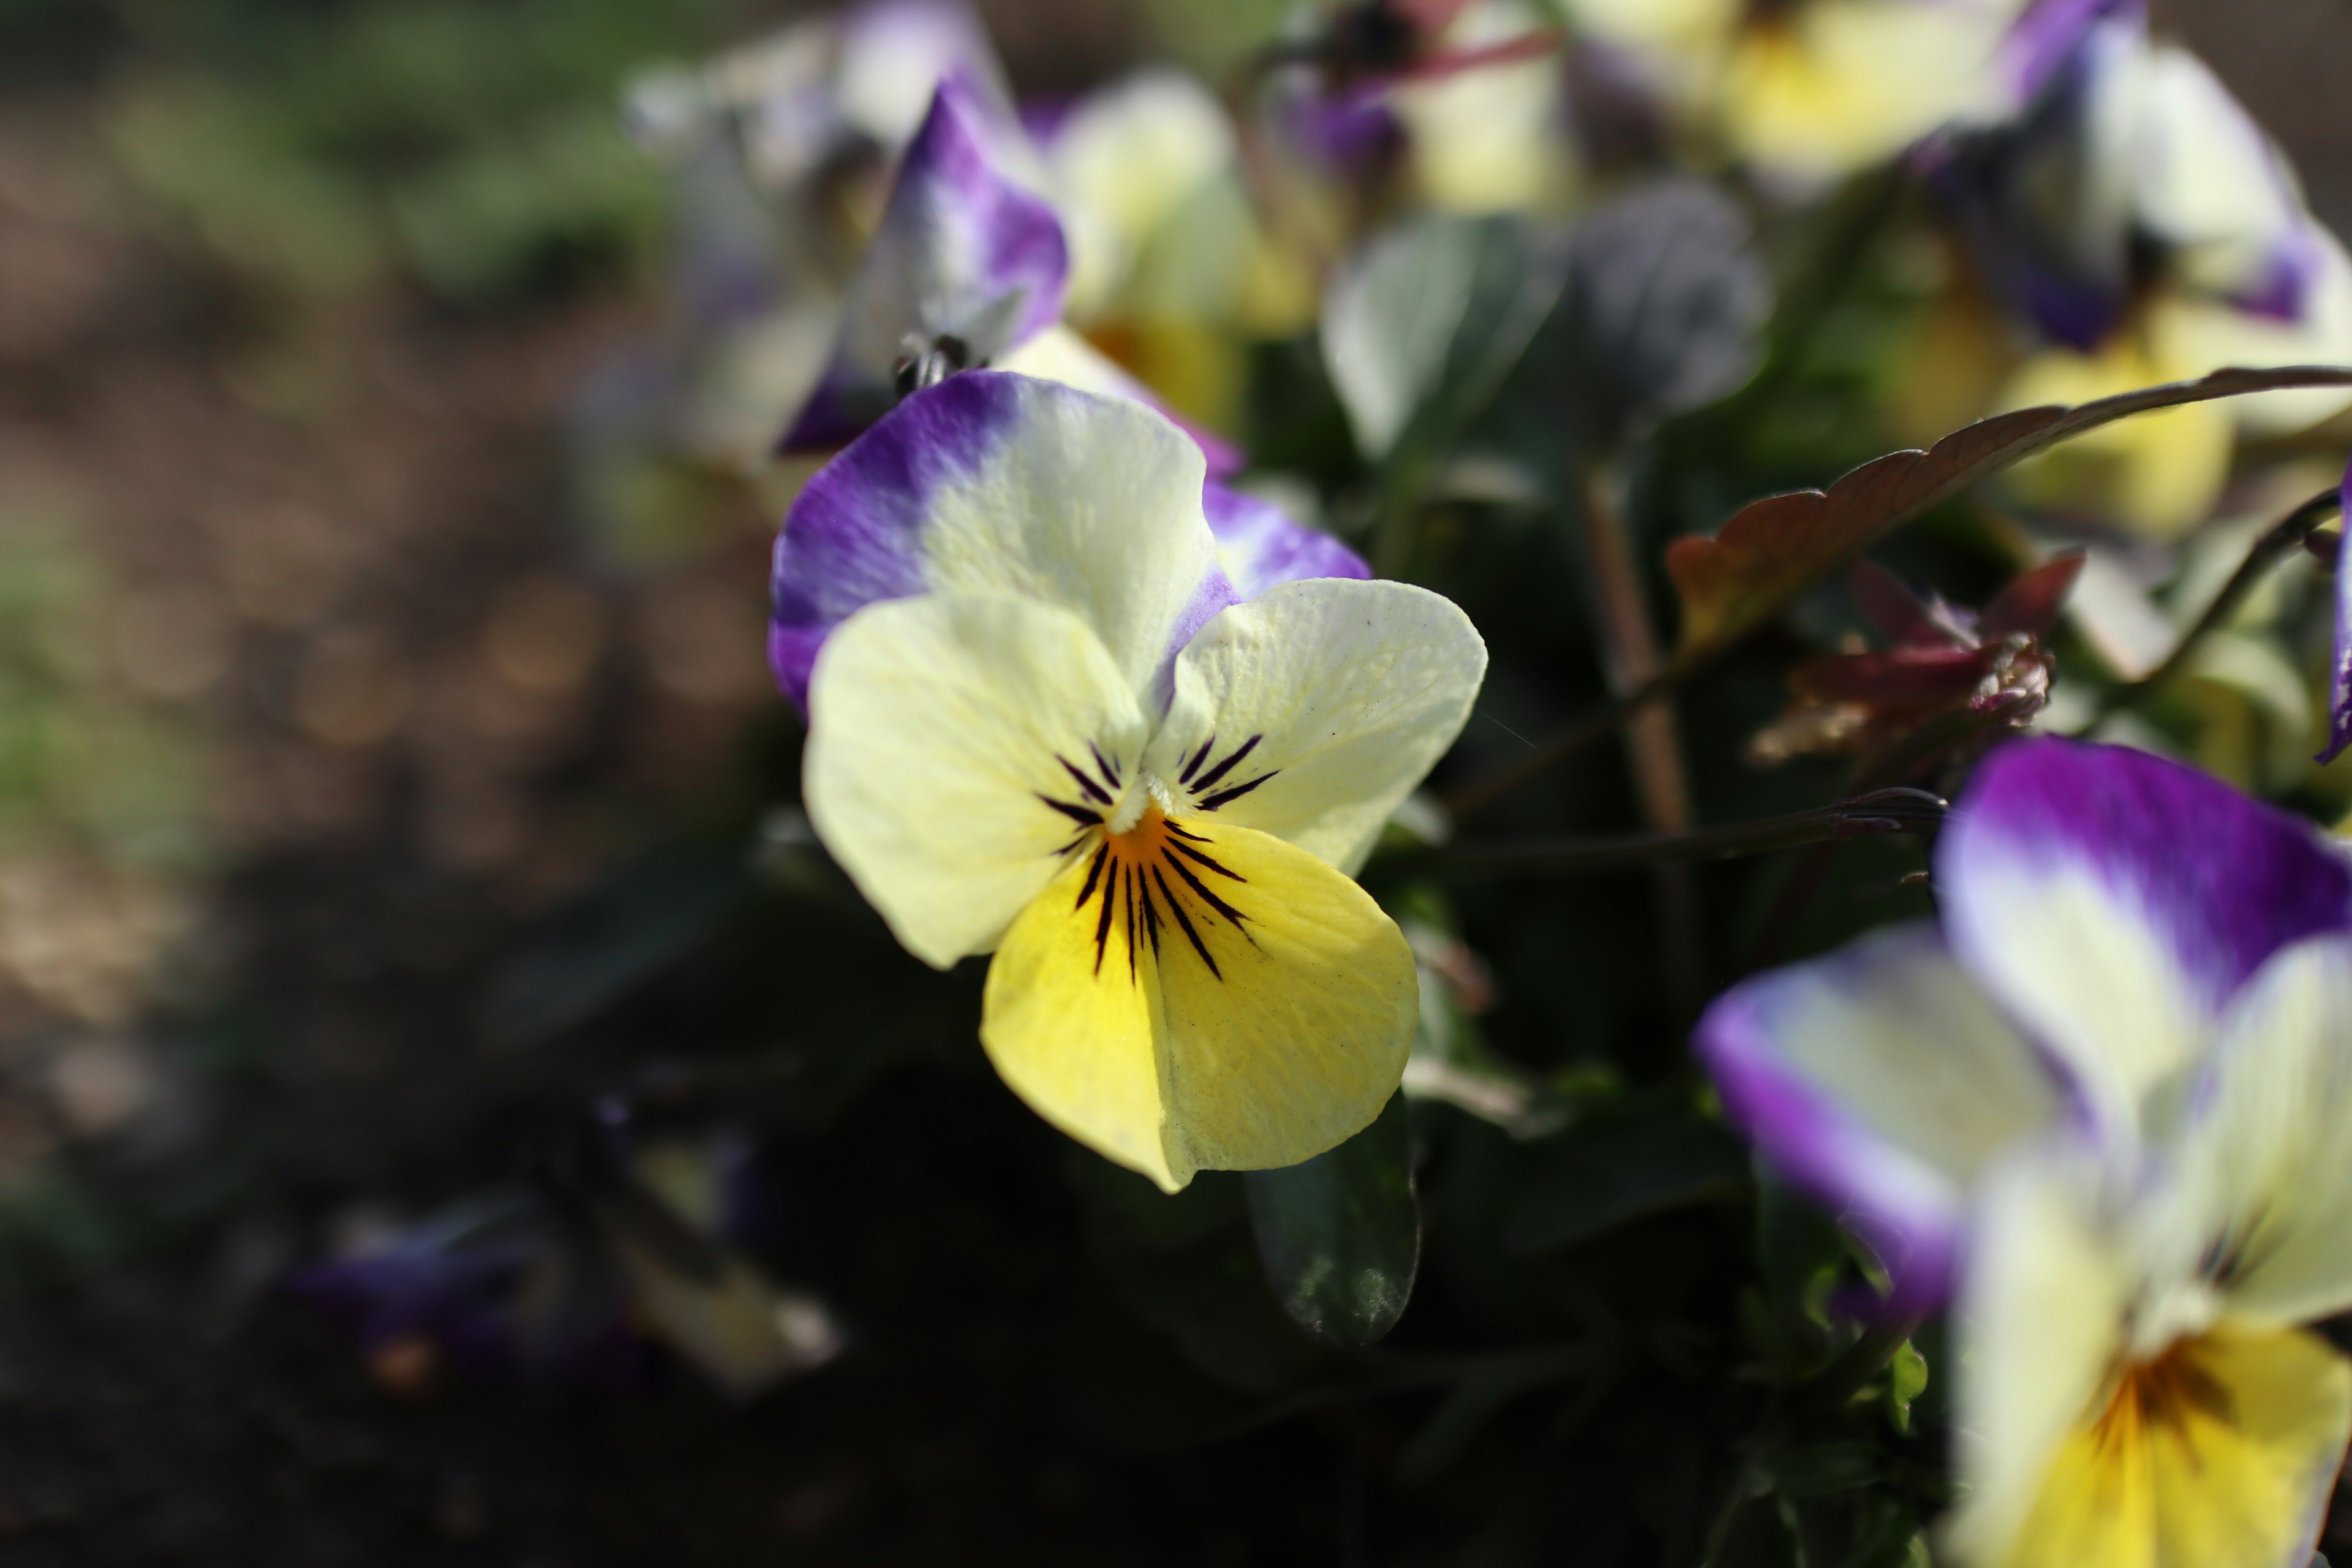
[1082, 697]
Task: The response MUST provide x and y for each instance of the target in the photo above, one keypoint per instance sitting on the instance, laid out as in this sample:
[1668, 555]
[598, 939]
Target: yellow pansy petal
[1312, 710]
[2219, 1453]
[942, 729]
[2040, 1320]
[2158, 474]
[1189, 995]
[1845, 83]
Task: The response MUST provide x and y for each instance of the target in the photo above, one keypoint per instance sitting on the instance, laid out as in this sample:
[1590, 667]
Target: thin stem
[1630, 648]
[2268, 551]
[1881, 811]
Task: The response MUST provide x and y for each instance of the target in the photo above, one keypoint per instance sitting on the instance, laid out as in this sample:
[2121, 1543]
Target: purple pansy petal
[1880, 1080]
[2112, 902]
[1259, 546]
[1034, 489]
[963, 251]
[2339, 683]
[856, 534]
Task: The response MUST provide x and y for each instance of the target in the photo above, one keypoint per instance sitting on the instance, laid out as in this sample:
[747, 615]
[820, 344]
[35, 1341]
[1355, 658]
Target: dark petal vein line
[1209, 780]
[1185, 922]
[1227, 796]
[1094, 791]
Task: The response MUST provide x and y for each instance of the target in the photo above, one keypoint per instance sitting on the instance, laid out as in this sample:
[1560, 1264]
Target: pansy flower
[971, 267]
[1058, 738]
[1467, 98]
[1810, 90]
[2143, 229]
[2110, 1097]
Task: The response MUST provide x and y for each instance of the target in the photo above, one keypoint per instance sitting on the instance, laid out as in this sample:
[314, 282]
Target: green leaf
[1907, 1380]
[1339, 1236]
[1390, 321]
[1605, 1179]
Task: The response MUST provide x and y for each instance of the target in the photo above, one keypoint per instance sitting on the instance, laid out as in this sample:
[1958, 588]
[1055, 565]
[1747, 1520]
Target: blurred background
[381, 732]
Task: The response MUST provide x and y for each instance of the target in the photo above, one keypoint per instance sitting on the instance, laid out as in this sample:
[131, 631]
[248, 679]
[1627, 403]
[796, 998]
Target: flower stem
[2268, 551]
[1881, 811]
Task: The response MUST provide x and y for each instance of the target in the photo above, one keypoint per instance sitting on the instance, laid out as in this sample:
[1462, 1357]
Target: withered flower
[1944, 665]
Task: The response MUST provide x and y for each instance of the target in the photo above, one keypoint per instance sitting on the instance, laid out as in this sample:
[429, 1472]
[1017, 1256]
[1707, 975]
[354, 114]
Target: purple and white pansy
[968, 263]
[2102, 911]
[970, 267]
[995, 481]
[2106, 1107]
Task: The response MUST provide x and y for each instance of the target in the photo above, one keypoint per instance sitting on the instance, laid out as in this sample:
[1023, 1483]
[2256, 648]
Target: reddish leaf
[1772, 549]
[2031, 603]
[1508, 51]
[1895, 679]
[1429, 16]
[1887, 603]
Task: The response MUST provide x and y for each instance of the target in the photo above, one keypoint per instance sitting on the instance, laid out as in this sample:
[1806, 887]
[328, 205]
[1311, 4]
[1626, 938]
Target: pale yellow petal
[940, 728]
[2266, 1158]
[2157, 474]
[1338, 696]
[1196, 996]
[1845, 83]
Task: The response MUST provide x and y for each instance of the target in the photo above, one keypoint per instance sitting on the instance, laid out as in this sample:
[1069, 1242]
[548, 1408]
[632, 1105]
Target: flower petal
[1312, 712]
[1198, 997]
[964, 251]
[2222, 1451]
[997, 483]
[948, 740]
[1057, 353]
[2339, 684]
[2041, 1321]
[1848, 82]
[1880, 1079]
[2266, 1157]
[1259, 545]
[2115, 902]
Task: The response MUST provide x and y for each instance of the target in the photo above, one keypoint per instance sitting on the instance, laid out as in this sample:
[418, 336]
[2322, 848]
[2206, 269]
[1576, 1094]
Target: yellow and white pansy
[1043, 727]
[1810, 90]
[2106, 1104]
[2143, 229]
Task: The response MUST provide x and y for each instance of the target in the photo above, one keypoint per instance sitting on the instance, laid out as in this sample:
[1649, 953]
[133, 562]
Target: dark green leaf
[1604, 1179]
[1339, 1236]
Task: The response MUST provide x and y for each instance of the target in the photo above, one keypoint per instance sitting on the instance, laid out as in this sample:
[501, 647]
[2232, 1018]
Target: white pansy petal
[1881, 1080]
[1312, 710]
[958, 744]
[2114, 902]
[990, 482]
[2267, 1161]
[2041, 1322]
